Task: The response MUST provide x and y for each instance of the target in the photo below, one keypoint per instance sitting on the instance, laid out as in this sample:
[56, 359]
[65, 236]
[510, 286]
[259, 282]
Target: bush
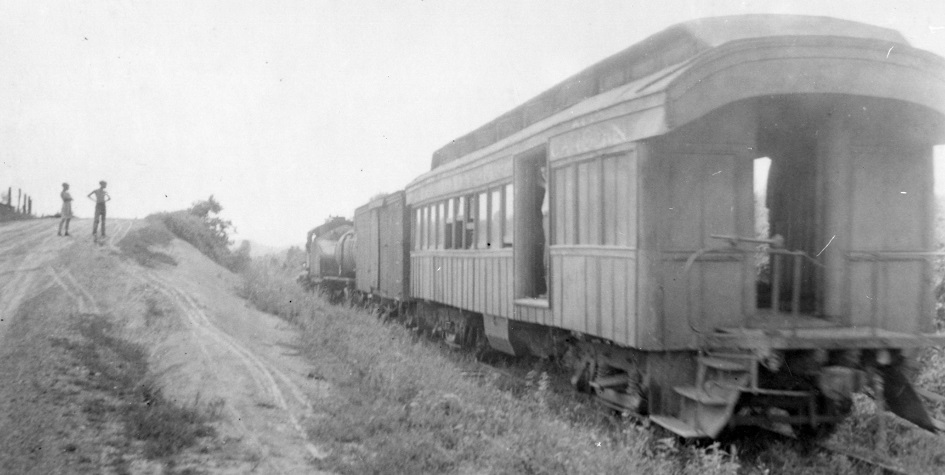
[202, 228]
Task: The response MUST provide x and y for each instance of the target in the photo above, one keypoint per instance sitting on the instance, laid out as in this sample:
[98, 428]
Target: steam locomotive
[728, 223]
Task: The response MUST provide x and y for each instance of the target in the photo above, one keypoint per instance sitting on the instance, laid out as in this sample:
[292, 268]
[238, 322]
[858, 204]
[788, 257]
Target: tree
[208, 210]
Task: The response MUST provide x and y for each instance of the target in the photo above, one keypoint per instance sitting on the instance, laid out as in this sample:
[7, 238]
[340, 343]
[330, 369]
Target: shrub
[200, 226]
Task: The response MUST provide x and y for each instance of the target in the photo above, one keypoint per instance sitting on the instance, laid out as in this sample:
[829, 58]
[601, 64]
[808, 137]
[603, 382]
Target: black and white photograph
[408, 237]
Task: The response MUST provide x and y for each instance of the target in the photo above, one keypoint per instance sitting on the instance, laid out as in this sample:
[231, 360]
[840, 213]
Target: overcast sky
[288, 111]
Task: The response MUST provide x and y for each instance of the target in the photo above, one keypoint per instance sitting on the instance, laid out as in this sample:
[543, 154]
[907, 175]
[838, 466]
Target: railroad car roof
[653, 62]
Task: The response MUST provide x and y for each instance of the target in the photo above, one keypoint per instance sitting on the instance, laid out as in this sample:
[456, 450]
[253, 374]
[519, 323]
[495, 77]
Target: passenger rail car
[612, 220]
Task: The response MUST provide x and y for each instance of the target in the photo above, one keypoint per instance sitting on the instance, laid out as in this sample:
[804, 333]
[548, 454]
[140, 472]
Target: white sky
[288, 111]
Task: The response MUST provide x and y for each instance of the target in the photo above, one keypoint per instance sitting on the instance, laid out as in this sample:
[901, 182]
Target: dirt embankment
[111, 366]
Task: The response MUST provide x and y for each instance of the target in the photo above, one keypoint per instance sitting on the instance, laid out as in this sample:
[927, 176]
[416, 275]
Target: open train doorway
[532, 225]
[788, 206]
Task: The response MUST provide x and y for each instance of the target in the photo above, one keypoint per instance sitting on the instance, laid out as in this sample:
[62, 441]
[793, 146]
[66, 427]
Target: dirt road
[205, 348]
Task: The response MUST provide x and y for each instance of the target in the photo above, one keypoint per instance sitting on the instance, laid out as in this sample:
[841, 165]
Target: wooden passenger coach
[621, 206]
[730, 217]
[651, 154]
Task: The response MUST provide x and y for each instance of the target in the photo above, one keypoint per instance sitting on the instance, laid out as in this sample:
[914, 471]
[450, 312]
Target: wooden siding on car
[594, 291]
[366, 258]
[478, 281]
[393, 245]
[383, 239]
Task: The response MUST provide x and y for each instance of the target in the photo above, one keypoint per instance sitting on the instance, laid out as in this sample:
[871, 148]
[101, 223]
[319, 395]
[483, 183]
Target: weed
[166, 428]
[712, 460]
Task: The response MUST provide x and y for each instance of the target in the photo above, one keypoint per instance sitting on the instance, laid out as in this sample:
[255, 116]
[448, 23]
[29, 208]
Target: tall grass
[400, 406]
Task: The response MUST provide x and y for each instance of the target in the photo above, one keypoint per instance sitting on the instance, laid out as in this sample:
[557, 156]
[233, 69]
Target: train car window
[435, 220]
[482, 226]
[440, 225]
[508, 226]
[416, 229]
[498, 218]
[470, 234]
[448, 232]
[423, 228]
[460, 222]
[430, 226]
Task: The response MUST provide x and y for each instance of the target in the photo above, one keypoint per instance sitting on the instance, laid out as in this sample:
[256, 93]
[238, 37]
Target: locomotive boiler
[330, 263]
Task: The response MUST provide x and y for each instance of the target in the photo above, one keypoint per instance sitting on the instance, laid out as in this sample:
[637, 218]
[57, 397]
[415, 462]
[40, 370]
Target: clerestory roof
[673, 46]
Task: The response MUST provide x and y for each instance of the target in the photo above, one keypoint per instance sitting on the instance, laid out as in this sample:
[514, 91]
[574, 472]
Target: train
[729, 223]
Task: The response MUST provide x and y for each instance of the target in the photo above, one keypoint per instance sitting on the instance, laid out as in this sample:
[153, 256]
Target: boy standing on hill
[101, 196]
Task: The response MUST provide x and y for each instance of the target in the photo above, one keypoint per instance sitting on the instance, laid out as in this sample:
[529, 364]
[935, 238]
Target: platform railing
[775, 249]
[876, 260]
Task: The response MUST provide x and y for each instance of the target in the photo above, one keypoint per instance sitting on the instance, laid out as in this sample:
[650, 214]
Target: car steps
[680, 428]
